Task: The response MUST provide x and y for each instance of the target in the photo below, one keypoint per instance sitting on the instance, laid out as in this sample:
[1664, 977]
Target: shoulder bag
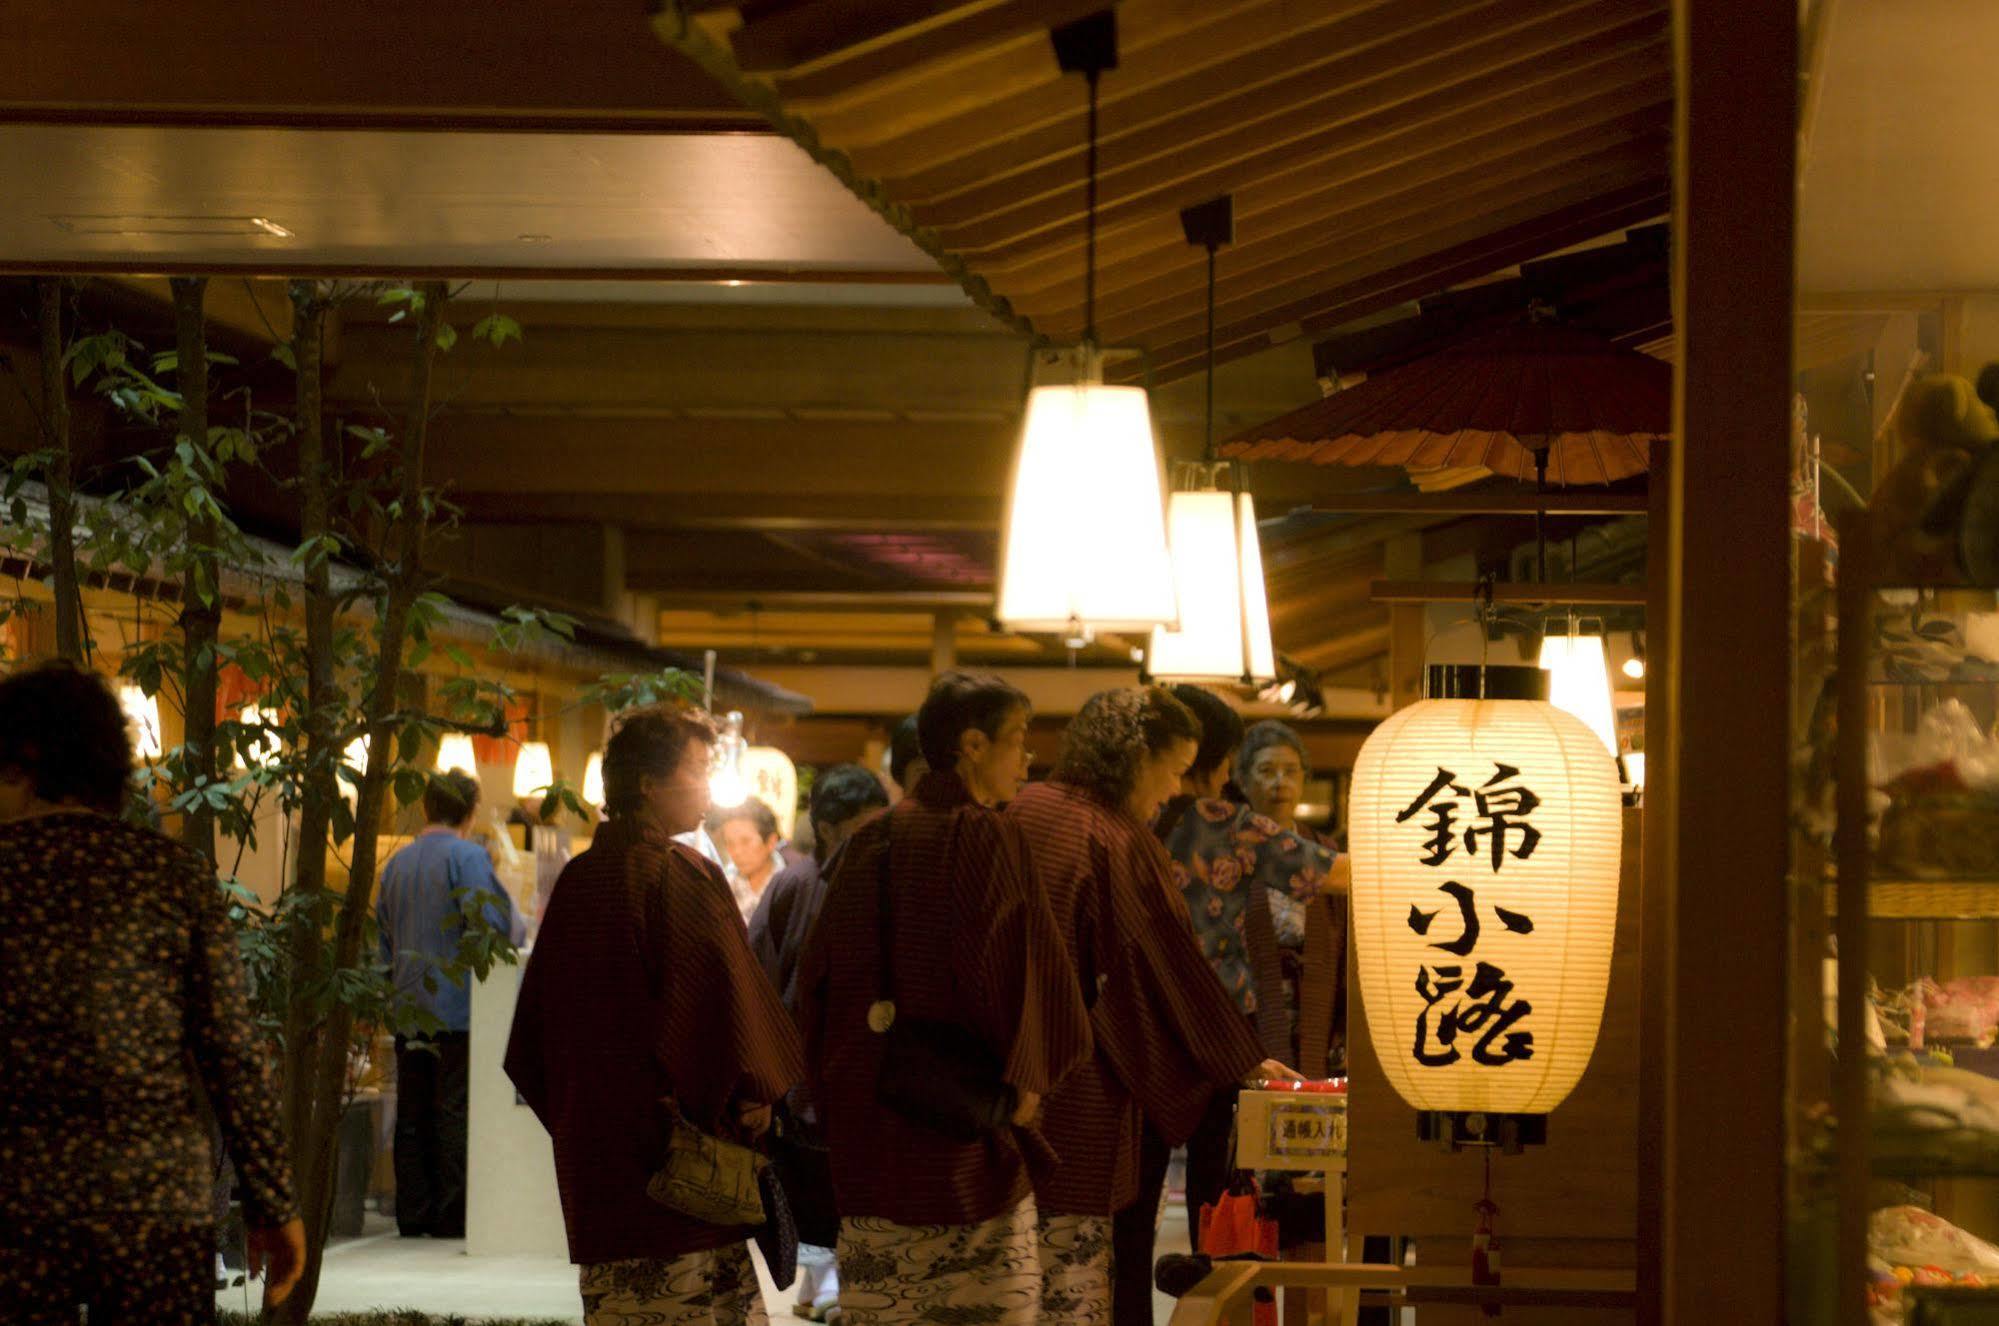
[707, 1177]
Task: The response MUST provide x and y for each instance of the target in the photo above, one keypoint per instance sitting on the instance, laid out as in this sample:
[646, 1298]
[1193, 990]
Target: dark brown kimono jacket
[975, 945]
[641, 985]
[1166, 1032]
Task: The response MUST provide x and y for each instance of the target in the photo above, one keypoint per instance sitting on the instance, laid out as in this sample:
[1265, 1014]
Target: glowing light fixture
[1581, 683]
[1487, 842]
[142, 721]
[1085, 546]
[728, 784]
[1634, 769]
[1223, 633]
[534, 769]
[1634, 668]
[455, 751]
[355, 757]
[593, 779]
[265, 748]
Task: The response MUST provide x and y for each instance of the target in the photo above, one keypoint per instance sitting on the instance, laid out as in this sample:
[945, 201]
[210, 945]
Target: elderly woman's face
[1276, 781]
[750, 850]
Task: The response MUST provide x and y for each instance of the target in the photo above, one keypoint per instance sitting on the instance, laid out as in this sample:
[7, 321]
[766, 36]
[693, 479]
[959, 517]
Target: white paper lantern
[534, 770]
[454, 751]
[593, 778]
[1086, 526]
[1581, 683]
[1487, 843]
[142, 721]
[772, 778]
[1224, 629]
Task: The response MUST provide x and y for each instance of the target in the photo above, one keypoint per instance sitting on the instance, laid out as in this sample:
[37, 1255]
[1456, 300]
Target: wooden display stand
[1570, 1204]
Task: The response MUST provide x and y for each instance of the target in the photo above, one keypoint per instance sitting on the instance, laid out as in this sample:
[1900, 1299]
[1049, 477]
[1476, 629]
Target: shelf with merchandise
[1941, 899]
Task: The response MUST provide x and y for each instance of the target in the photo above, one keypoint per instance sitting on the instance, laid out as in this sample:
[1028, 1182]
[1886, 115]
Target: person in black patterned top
[121, 1004]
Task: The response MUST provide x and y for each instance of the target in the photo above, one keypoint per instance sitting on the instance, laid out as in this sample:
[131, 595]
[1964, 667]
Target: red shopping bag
[1235, 1227]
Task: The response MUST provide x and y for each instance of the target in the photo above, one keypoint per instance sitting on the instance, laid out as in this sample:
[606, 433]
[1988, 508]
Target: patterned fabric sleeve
[1282, 861]
[230, 1058]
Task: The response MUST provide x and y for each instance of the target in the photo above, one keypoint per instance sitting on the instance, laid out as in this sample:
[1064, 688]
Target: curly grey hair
[1261, 737]
[1113, 734]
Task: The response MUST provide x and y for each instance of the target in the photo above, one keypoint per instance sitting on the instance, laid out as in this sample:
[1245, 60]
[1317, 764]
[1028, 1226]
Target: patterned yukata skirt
[1076, 1269]
[941, 1275]
[714, 1288]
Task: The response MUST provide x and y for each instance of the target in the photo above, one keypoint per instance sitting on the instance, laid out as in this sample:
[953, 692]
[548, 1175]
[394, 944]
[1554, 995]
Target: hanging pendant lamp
[1223, 633]
[1085, 546]
[534, 769]
[455, 751]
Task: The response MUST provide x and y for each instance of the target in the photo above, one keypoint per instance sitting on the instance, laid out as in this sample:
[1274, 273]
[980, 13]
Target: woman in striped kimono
[935, 1230]
[1167, 1035]
[641, 989]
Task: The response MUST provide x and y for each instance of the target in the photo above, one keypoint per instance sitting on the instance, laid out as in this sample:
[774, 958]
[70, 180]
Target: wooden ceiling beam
[918, 605]
[732, 511]
[1392, 233]
[1267, 204]
[1412, 280]
[1381, 249]
[1344, 651]
[1212, 86]
[790, 35]
[1561, 502]
[1631, 53]
[920, 117]
[695, 460]
[1413, 54]
[1509, 152]
[965, 28]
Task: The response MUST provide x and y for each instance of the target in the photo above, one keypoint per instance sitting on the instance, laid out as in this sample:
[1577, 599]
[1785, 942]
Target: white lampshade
[1484, 987]
[1218, 572]
[1581, 683]
[1086, 526]
[454, 751]
[266, 746]
[593, 778]
[142, 721]
[534, 770]
[1634, 768]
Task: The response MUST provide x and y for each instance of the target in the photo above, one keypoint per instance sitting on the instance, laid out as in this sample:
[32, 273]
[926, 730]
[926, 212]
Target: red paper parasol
[1489, 402]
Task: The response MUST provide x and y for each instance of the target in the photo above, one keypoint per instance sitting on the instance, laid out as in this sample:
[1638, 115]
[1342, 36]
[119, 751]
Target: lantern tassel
[1485, 1238]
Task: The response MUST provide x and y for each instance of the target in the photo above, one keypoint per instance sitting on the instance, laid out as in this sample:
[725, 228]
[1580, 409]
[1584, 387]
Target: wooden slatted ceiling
[1378, 150]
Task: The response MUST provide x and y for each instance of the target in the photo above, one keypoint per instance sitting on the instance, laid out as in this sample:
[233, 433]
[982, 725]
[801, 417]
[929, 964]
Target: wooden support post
[943, 642]
[1723, 805]
[1402, 559]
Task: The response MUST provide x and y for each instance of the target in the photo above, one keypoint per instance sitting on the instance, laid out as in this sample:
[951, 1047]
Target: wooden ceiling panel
[1371, 145]
[1507, 154]
[1405, 77]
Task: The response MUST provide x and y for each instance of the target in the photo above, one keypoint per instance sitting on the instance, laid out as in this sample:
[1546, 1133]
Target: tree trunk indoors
[201, 592]
[318, 1114]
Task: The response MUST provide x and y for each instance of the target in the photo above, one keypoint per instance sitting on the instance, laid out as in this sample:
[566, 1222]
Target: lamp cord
[1090, 221]
[1208, 450]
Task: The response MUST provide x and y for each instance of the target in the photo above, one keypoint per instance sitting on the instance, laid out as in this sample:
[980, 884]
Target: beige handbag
[708, 1178]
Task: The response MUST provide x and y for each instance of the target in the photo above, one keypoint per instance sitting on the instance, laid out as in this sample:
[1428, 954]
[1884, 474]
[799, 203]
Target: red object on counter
[1330, 1086]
